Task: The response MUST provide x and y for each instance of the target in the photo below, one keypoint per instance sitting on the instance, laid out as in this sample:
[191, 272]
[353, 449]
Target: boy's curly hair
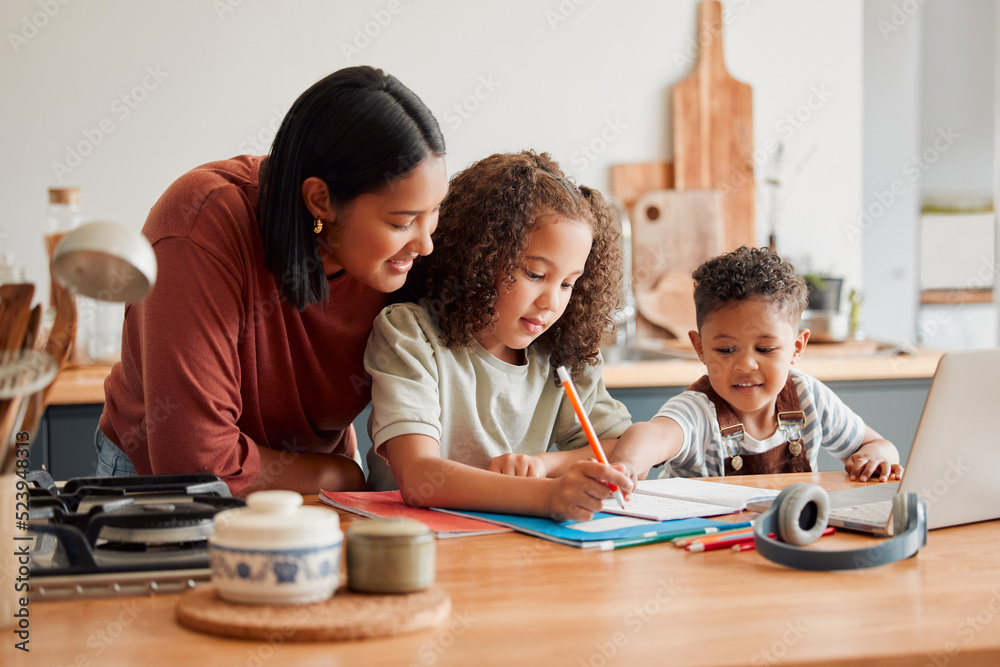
[491, 208]
[745, 273]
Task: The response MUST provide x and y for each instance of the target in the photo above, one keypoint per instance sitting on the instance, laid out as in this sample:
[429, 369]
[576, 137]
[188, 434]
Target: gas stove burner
[160, 523]
[133, 529]
[82, 493]
[131, 553]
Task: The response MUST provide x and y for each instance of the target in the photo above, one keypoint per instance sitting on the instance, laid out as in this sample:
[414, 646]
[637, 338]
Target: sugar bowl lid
[277, 520]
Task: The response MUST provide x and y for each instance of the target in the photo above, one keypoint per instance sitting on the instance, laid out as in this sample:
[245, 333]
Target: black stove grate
[122, 527]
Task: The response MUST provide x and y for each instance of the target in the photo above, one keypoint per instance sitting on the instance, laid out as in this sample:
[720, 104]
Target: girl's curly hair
[745, 273]
[485, 221]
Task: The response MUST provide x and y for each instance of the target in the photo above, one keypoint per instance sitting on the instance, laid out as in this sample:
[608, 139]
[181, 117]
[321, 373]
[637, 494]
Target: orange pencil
[588, 428]
[721, 534]
[721, 544]
[720, 537]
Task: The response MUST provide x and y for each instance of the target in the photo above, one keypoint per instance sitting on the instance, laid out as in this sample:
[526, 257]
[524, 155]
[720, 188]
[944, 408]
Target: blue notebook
[601, 531]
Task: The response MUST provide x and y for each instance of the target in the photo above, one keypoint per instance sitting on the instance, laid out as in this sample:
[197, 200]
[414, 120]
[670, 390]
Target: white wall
[958, 62]
[891, 199]
[150, 90]
[958, 65]
[929, 132]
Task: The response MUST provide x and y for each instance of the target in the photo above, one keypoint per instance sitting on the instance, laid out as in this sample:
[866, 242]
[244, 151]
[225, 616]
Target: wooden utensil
[34, 401]
[15, 316]
[59, 346]
[34, 324]
[713, 132]
[673, 232]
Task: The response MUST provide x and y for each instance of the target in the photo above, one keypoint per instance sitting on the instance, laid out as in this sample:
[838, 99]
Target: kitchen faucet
[625, 318]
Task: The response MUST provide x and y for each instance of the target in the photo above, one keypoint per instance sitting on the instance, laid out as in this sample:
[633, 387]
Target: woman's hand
[518, 465]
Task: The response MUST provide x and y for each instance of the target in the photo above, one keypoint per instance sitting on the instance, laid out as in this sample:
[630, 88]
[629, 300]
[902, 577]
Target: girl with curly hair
[524, 278]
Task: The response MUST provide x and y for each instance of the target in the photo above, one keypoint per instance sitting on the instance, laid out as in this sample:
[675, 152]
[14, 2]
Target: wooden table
[519, 600]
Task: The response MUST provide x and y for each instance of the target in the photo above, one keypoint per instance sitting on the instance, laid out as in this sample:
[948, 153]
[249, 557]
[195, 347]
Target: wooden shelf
[955, 297]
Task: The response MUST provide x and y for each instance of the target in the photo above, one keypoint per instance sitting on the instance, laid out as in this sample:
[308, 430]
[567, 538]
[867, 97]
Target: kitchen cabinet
[64, 443]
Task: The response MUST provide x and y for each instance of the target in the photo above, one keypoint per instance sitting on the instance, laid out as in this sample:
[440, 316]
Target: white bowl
[826, 326]
[274, 551]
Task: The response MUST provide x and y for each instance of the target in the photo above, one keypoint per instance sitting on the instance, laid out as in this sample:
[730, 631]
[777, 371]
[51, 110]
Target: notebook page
[735, 496]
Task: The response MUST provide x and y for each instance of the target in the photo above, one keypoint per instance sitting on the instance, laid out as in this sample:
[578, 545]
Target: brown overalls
[789, 457]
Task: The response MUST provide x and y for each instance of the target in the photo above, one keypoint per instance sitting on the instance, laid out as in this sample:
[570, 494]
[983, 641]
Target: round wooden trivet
[346, 615]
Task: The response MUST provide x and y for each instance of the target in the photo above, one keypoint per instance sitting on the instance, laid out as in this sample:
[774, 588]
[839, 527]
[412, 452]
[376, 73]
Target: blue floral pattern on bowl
[294, 575]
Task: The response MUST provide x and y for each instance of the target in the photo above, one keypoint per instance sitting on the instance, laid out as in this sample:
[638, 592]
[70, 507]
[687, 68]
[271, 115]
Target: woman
[246, 360]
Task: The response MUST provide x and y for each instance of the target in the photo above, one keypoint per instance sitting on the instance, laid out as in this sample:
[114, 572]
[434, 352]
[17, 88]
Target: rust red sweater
[214, 361]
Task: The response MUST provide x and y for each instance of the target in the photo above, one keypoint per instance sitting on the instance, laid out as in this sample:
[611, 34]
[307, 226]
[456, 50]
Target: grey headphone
[798, 517]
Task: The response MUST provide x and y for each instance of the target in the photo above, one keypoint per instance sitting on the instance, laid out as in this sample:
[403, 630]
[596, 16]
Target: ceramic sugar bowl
[275, 551]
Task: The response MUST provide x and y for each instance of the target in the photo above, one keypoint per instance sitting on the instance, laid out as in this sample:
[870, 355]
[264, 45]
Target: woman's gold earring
[317, 225]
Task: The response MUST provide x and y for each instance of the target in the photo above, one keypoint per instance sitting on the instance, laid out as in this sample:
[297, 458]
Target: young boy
[752, 413]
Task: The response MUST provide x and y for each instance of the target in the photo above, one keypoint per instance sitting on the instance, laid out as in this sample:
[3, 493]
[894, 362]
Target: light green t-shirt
[476, 406]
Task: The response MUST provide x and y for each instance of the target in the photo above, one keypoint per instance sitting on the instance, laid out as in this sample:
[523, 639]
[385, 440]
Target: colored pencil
[623, 543]
[710, 530]
[706, 539]
[588, 428]
[738, 538]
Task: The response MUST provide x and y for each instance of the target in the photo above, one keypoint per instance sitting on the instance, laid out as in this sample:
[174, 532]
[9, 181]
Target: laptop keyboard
[875, 514]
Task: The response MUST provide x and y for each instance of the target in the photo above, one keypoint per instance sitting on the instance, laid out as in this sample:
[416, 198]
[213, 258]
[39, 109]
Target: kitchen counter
[824, 364]
[887, 390]
[85, 384]
[79, 385]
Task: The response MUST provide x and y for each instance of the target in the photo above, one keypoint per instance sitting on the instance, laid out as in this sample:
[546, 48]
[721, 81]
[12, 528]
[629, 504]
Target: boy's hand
[626, 467]
[871, 461]
[582, 491]
[518, 465]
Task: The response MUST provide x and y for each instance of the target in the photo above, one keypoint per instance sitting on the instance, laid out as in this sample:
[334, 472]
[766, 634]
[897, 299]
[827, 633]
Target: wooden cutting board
[629, 181]
[673, 232]
[713, 132]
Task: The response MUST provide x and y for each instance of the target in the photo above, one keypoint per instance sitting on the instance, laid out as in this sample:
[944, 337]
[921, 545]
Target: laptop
[954, 464]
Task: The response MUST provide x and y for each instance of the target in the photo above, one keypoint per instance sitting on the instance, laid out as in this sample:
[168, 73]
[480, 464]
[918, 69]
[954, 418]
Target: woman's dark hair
[360, 130]
[491, 209]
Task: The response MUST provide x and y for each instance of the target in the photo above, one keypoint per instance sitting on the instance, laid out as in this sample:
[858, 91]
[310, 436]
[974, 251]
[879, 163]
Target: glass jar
[10, 272]
[99, 324]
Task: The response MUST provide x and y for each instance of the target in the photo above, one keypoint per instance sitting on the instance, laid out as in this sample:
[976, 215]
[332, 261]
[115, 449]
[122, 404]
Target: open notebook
[390, 505]
[682, 498]
[600, 532]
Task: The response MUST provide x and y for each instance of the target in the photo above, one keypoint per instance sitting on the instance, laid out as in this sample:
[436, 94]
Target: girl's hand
[869, 463]
[518, 465]
[582, 491]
